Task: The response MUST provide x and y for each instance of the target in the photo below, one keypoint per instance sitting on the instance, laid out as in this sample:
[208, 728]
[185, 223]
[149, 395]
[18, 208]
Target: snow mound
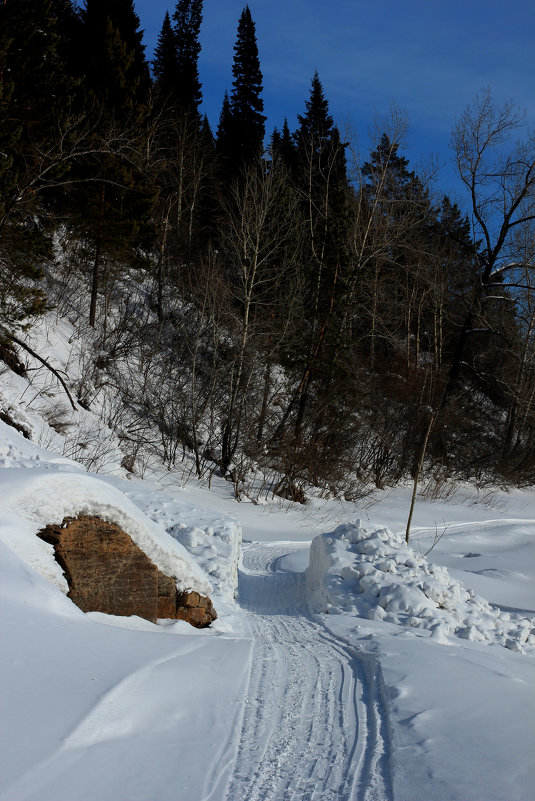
[375, 575]
[213, 540]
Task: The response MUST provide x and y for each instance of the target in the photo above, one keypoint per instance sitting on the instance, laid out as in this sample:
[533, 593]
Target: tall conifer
[165, 63]
[316, 124]
[35, 95]
[246, 104]
[188, 19]
[115, 63]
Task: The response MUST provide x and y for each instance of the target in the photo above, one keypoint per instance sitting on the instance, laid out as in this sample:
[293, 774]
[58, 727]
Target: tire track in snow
[314, 726]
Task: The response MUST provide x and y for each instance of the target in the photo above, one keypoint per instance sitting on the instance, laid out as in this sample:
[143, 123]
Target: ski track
[314, 726]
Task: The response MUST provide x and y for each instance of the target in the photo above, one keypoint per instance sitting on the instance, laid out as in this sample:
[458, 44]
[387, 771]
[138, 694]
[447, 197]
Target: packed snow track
[314, 726]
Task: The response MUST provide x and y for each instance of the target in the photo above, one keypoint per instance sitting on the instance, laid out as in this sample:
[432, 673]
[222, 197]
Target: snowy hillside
[343, 665]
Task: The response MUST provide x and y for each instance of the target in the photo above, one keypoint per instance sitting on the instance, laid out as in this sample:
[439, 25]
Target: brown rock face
[107, 572]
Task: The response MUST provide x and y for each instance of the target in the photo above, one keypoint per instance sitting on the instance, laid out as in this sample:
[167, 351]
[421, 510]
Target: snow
[374, 574]
[344, 665]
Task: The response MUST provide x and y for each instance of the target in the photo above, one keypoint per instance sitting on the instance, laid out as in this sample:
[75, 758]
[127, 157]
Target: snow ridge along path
[314, 725]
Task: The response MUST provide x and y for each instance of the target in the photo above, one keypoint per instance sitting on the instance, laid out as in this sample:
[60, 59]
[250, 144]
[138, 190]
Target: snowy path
[313, 725]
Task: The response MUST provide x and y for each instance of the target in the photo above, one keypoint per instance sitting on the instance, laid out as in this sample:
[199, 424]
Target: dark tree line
[323, 317]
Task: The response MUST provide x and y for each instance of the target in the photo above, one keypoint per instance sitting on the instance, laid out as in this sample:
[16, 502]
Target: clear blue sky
[428, 57]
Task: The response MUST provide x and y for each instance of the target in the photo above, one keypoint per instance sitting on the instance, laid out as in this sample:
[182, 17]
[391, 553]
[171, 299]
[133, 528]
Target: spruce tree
[35, 95]
[225, 131]
[188, 19]
[30, 48]
[111, 206]
[165, 63]
[315, 126]
[403, 219]
[246, 104]
[115, 65]
[283, 148]
[391, 170]
[321, 182]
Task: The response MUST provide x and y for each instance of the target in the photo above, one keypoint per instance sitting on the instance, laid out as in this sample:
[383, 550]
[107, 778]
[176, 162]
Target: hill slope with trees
[288, 308]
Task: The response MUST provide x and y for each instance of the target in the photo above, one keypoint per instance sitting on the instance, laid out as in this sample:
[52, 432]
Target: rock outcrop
[107, 572]
[195, 608]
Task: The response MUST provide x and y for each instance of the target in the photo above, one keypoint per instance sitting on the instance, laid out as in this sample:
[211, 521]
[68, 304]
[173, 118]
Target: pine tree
[30, 40]
[388, 168]
[188, 19]
[246, 104]
[315, 126]
[225, 131]
[35, 95]
[394, 279]
[111, 201]
[283, 147]
[165, 63]
[320, 178]
[115, 66]
[10, 130]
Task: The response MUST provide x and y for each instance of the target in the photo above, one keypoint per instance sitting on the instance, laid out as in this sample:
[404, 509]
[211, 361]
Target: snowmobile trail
[314, 726]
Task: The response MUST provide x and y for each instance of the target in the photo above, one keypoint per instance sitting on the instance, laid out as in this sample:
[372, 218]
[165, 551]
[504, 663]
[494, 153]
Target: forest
[263, 301]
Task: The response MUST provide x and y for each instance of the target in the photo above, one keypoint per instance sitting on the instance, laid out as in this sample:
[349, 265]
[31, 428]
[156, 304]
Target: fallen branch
[46, 364]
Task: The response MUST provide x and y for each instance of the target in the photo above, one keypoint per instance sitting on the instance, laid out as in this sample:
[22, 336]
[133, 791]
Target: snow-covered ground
[355, 670]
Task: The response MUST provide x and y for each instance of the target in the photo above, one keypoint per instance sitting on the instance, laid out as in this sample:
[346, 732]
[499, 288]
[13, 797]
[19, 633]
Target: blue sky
[427, 57]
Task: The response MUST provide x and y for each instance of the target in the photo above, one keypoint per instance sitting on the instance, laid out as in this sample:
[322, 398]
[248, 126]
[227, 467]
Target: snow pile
[375, 575]
[217, 549]
[213, 540]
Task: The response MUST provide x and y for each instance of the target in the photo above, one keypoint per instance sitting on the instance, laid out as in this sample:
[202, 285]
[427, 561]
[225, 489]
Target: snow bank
[372, 573]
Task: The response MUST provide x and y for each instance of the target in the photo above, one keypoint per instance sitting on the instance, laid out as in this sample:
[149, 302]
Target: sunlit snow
[355, 669]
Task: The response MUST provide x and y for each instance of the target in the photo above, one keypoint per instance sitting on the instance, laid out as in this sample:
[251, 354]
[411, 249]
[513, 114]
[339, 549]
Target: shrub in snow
[375, 575]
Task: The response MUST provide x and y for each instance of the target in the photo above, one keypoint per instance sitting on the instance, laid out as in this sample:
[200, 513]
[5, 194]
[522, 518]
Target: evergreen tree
[322, 180]
[165, 63]
[246, 104]
[10, 129]
[315, 126]
[399, 185]
[457, 254]
[188, 19]
[115, 66]
[405, 220]
[225, 131]
[30, 47]
[35, 95]
[283, 147]
[111, 201]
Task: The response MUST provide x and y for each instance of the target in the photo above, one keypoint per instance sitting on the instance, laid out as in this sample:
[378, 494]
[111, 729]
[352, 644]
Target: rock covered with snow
[107, 572]
[372, 573]
[47, 494]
